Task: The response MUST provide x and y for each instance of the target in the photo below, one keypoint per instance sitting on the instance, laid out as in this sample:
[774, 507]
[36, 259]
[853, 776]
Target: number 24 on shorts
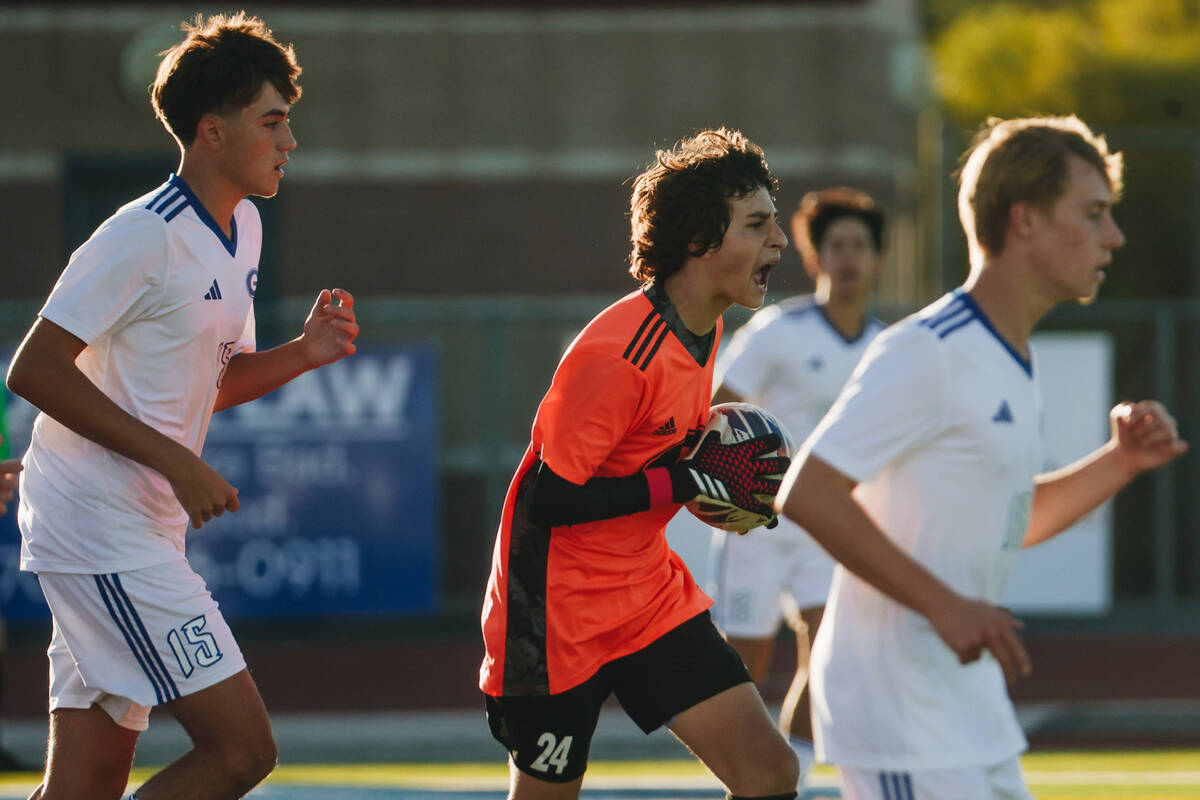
[203, 646]
[554, 753]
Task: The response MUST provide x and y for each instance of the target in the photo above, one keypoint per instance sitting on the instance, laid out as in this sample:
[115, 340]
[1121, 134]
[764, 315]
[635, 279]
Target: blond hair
[1024, 160]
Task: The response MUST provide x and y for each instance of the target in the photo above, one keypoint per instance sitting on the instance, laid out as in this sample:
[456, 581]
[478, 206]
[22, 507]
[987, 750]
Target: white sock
[804, 749]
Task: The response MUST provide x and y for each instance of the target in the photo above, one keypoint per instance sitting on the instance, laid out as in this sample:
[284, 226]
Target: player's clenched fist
[1145, 434]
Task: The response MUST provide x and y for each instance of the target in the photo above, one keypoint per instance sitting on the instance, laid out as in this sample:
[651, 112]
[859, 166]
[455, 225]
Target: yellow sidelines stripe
[1055, 771]
[1114, 778]
[1133, 760]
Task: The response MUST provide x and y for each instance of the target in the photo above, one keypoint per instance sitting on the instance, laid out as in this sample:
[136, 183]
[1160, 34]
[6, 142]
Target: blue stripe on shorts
[121, 609]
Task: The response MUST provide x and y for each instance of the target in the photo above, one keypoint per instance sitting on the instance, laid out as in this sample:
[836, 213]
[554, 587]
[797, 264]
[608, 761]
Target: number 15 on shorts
[193, 646]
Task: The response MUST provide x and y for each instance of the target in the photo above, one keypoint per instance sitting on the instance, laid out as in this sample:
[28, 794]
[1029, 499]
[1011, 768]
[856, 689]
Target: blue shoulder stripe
[954, 325]
[166, 190]
[963, 310]
[169, 202]
[167, 199]
[952, 312]
[174, 212]
[176, 196]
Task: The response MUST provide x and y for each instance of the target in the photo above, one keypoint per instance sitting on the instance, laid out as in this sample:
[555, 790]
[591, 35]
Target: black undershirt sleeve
[558, 501]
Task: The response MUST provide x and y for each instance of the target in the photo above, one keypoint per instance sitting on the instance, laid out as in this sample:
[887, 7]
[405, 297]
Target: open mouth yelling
[761, 274]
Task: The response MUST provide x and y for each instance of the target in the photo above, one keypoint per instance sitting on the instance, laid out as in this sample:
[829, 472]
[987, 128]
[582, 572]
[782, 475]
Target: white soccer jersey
[792, 361]
[163, 300]
[940, 427]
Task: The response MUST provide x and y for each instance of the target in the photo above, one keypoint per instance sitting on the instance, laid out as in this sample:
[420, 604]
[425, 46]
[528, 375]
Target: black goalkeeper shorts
[549, 736]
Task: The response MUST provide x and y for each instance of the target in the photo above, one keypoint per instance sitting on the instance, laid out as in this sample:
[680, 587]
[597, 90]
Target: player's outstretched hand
[1146, 434]
[330, 328]
[8, 481]
[968, 627]
[202, 491]
[732, 473]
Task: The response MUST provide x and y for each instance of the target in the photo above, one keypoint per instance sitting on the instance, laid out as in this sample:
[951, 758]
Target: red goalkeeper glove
[731, 473]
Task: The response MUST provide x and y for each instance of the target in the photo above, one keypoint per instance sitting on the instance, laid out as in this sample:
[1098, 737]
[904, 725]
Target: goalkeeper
[585, 598]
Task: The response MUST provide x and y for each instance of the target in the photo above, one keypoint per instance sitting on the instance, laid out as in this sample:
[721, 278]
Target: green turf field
[1051, 776]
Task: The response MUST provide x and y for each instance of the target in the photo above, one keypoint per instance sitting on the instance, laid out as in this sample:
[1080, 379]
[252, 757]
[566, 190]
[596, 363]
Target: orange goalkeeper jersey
[563, 601]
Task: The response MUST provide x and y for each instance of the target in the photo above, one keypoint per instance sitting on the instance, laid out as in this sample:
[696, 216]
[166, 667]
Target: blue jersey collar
[229, 242]
[1026, 364]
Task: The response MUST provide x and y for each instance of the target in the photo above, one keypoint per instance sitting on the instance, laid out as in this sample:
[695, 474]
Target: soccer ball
[737, 422]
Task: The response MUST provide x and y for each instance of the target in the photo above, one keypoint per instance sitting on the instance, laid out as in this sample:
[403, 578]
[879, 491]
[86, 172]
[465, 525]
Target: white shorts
[1001, 781]
[129, 641]
[760, 576]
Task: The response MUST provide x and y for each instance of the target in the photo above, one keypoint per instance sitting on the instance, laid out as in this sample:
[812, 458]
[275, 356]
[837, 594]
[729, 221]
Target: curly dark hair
[219, 67]
[818, 210]
[680, 204]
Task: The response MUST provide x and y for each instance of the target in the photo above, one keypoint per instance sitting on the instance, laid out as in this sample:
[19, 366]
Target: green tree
[1110, 61]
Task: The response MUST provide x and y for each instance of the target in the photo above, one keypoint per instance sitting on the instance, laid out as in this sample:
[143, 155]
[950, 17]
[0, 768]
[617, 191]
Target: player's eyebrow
[274, 112]
[762, 215]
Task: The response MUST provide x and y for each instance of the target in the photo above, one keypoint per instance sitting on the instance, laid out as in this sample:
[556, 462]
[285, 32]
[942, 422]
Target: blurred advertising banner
[337, 478]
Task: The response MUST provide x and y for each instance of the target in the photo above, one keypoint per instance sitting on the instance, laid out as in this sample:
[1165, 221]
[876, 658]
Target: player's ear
[1021, 218]
[210, 131]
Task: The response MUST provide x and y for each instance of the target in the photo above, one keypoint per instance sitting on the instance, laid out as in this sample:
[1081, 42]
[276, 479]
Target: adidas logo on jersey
[1003, 414]
[214, 292]
[666, 429]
